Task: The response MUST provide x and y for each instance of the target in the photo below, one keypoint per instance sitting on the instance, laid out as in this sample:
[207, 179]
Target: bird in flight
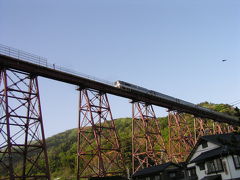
[224, 60]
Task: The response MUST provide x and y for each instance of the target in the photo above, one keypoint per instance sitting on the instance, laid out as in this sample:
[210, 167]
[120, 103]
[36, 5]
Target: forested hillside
[62, 147]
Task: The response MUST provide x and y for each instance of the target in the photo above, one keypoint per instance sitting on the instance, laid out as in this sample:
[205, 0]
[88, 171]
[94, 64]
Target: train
[131, 87]
[134, 88]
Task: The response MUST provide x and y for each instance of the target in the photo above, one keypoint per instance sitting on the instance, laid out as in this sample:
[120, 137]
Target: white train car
[129, 87]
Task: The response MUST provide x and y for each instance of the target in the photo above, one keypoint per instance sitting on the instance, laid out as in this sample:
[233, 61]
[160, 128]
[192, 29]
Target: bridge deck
[7, 61]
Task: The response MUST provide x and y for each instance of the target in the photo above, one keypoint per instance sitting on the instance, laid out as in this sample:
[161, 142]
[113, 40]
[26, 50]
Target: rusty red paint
[21, 127]
[95, 125]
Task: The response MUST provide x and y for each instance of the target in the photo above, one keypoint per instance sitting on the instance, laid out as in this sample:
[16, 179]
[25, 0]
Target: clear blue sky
[171, 46]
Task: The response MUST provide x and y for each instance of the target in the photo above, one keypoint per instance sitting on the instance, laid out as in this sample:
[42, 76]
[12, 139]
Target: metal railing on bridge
[41, 61]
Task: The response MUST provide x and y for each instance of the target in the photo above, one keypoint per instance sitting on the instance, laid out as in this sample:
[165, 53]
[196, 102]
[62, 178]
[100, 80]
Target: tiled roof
[153, 169]
[229, 140]
[210, 154]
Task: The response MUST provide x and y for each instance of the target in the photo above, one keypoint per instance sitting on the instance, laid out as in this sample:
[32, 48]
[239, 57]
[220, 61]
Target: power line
[235, 103]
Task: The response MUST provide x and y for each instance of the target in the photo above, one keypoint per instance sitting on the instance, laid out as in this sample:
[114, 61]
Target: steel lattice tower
[99, 151]
[21, 128]
[208, 127]
[148, 146]
[181, 140]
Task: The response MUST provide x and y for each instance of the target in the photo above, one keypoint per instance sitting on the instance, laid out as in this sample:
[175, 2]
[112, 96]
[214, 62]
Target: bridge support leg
[99, 151]
[199, 128]
[204, 127]
[148, 145]
[23, 153]
[181, 140]
[220, 128]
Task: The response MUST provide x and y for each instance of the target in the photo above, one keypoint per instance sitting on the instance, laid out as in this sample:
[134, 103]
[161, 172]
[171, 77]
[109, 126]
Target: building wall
[233, 172]
[229, 172]
[199, 150]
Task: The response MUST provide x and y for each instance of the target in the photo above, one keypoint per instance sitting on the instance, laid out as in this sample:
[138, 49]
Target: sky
[175, 47]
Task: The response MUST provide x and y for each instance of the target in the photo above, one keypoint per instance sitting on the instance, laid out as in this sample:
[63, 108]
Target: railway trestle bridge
[22, 136]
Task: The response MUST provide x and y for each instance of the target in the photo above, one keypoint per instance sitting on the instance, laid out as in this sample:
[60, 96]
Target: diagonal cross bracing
[99, 152]
[23, 152]
[148, 145]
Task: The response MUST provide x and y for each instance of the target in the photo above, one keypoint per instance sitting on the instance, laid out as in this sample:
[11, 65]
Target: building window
[152, 178]
[236, 160]
[201, 166]
[192, 172]
[214, 166]
[204, 144]
[172, 175]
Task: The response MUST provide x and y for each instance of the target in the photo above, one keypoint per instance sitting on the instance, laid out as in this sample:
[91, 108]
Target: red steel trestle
[23, 153]
[148, 145]
[181, 140]
[99, 151]
[208, 127]
[185, 130]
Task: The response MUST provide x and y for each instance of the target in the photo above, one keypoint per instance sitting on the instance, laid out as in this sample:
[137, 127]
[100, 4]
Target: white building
[215, 157]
